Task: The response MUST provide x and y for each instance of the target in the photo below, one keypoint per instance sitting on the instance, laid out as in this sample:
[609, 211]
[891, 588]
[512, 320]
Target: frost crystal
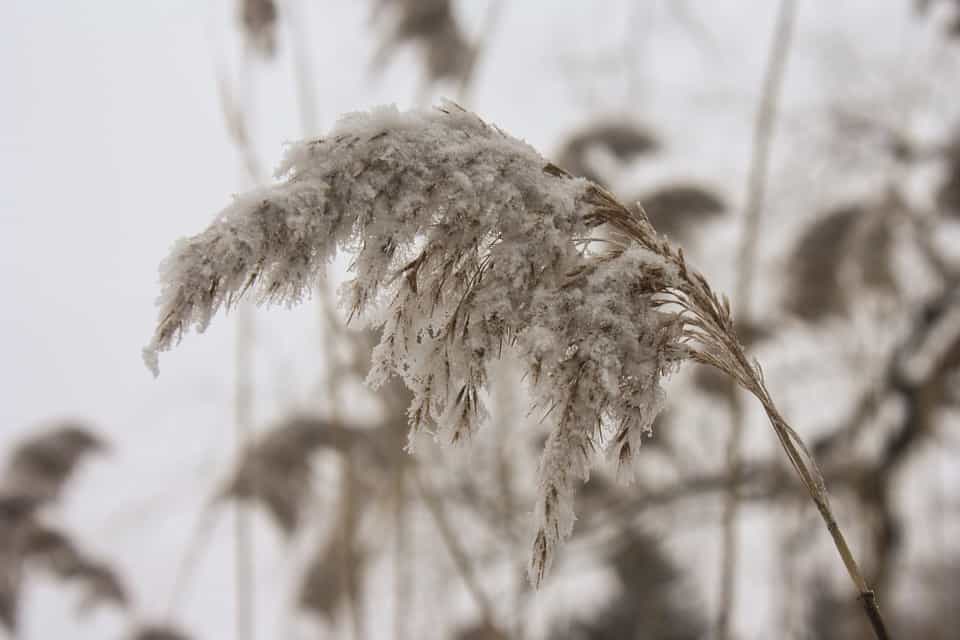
[465, 241]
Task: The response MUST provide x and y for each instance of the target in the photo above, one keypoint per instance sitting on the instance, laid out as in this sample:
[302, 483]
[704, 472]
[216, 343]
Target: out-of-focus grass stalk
[743, 296]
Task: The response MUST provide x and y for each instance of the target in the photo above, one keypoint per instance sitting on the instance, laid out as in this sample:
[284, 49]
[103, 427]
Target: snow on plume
[465, 241]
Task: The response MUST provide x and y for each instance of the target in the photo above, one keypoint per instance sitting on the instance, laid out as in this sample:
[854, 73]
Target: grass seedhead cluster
[466, 241]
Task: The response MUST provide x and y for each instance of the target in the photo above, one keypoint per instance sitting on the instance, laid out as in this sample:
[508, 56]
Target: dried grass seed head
[465, 241]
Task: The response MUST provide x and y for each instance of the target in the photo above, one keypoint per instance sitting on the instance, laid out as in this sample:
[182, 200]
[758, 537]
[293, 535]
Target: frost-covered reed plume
[466, 241]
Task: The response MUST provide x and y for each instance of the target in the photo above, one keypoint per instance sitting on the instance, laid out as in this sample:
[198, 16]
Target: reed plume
[625, 141]
[465, 241]
[259, 21]
[37, 472]
[430, 24]
[41, 465]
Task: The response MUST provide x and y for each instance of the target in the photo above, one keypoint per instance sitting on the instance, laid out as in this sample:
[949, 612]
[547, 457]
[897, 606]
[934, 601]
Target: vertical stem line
[402, 583]
[329, 329]
[245, 616]
[764, 125]
[243, 405]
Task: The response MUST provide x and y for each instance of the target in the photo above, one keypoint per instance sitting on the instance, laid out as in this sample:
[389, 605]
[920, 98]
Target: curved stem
[866, 595]
[713, 341]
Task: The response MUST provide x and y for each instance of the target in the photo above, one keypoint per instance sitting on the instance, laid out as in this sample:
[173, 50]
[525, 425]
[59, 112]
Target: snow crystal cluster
[465, 241]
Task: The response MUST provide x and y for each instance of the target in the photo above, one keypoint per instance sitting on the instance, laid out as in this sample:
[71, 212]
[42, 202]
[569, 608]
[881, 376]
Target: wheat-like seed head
[465, 241]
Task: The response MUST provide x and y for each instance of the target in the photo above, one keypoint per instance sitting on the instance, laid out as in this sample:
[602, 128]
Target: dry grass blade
[714, 382]
[466, 240]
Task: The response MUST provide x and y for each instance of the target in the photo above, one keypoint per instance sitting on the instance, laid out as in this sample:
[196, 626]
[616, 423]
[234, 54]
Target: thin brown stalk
[743, 295]
[714, 342]
[402, 583]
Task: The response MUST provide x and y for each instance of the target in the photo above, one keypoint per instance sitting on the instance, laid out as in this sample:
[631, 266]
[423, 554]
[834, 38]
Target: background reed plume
[37, 472]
